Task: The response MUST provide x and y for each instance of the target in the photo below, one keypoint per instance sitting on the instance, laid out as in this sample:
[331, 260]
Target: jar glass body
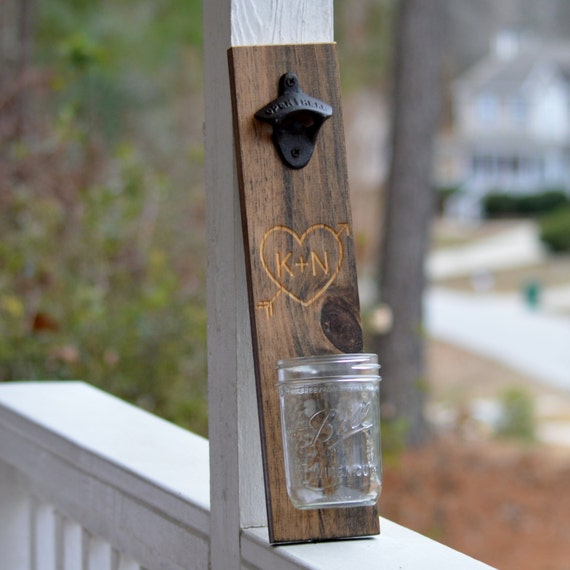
[330, 421]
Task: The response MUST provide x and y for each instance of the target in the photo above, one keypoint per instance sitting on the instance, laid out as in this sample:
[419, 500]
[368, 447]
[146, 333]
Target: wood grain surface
[299, 254]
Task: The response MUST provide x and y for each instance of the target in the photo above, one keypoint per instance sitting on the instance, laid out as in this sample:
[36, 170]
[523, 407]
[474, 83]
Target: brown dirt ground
[503, 503]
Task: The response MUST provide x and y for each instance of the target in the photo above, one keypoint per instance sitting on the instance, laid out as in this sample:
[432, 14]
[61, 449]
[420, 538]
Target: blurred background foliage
[101, 200]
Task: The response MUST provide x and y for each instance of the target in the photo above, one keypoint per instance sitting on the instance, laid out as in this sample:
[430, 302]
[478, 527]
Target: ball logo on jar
[321, 447]
[326, 428]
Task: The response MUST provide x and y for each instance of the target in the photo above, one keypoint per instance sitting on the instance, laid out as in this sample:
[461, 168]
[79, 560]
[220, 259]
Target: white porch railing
[88, 482]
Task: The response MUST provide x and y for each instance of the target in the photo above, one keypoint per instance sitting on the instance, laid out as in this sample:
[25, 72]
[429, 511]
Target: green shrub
[497, 205]
[541, 202]
[444, 193]
[517, 418]
[503, 204]
[394, 435]
[89, 292]
[555, 230]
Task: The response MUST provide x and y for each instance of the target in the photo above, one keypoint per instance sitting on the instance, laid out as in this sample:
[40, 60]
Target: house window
[519, 111]
[487, 108]
[508, 165]
[483, 165]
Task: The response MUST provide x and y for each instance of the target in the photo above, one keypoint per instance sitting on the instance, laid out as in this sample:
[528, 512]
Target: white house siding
[511, 128]
[549, 120]
[557, 168]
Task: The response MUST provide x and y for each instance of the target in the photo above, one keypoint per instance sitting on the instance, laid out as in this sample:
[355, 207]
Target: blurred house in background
[511, 124]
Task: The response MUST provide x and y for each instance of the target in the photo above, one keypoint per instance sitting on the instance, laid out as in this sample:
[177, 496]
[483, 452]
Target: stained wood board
[299, 252]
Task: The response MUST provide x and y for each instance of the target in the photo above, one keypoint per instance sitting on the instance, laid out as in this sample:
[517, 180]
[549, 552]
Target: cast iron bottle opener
[296, 119]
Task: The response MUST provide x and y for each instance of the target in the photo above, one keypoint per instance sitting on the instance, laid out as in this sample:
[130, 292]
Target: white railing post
[15, 536]
[237, 496]
[236, 484]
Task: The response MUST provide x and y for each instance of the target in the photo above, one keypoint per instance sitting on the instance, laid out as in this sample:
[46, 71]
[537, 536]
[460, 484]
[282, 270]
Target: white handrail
[88, 482]
[128, 478]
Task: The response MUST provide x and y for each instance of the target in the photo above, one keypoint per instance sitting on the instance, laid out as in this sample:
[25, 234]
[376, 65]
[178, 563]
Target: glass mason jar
[330, 421]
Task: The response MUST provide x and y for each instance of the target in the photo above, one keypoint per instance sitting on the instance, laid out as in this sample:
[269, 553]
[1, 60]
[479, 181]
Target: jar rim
[329, 367]
[368, 361]
[329, 379]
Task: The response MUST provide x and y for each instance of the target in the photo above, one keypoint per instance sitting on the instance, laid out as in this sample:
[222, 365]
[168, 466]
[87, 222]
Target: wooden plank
[299, 253]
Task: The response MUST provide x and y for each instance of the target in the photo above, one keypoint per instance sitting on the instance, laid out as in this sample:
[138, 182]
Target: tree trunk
[409, 206]
[26, 19]
[17, 19]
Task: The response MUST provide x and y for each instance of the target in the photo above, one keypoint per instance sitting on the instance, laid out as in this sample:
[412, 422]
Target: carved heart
[302, 266]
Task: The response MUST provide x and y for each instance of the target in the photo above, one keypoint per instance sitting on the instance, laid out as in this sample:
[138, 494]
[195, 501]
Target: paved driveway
[503, 328]
[515, 247]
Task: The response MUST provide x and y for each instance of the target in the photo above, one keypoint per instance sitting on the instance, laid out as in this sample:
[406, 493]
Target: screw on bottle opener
[296, 119]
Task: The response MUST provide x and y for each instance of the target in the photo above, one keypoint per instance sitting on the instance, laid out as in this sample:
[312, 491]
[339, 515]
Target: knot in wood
[341, 324]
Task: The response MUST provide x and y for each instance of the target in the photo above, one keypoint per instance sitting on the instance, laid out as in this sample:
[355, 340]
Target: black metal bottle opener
[296, 119]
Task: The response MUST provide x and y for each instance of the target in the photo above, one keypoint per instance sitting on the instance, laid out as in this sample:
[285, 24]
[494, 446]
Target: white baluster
[15, 503]
[72, 545]
[44, 536]
[100, 555]
[126, 563]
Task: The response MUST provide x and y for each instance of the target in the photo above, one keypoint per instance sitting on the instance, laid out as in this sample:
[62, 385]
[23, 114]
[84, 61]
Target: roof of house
[507, 75]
